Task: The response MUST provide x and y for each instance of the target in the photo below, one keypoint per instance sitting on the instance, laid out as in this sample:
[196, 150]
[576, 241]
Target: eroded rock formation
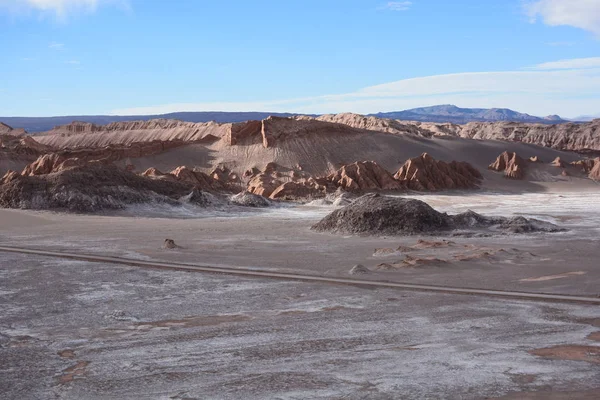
[511, 164]
[364, 176]
[424, 173]
[89, 188]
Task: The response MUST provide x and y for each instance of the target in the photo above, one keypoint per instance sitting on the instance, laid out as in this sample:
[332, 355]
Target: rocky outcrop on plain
[511, 164]
[89, 188]
[247, 199]
[558, 162]
[364, 176]
[595, 171]
[590, 167]
[374, 214]
[424, 173]
[195, 178]
[170, 244]
[380, 215]
[276, 182]
[202, 199]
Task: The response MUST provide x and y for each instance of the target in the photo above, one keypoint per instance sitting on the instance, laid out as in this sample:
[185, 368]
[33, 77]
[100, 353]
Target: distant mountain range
[587, 118]
[457, 115]
[441, 113]
[42, 124]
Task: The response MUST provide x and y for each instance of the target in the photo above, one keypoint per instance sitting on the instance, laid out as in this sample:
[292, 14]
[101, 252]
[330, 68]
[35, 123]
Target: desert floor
[74, 329]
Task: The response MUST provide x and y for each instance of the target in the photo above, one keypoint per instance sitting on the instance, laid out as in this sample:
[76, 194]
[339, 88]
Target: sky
[84, 57]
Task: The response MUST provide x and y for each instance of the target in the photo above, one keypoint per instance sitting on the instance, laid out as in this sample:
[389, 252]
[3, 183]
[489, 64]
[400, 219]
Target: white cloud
[578, 63]
[72, 62]
[570, 90]
[60, 8]
[584, 14]
[397, 5]
[56, 46]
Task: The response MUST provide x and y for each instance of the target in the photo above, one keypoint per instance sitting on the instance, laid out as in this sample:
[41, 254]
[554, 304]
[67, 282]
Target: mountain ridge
[435, 114]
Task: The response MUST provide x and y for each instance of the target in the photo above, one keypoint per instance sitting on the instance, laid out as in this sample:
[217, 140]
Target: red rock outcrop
[424, 173]
[558, 163]
[50, 163]
[364, 176]
[156, 174]
[195, 178]
[248, 132]
[580, 137]
[585, 165]
[511, 164]
[277, 182]
[595, 171]
[297, 190]
[9, 176]
[8, 130]
[275, 129]
[22, 145]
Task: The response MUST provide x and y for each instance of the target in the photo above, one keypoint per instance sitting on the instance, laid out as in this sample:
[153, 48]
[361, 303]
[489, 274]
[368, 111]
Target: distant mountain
[457, 115]
[586, 118]
[42, 124]
[442, 113]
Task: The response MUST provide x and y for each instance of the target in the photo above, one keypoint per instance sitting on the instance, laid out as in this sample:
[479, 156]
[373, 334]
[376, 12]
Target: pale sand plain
[72, 329]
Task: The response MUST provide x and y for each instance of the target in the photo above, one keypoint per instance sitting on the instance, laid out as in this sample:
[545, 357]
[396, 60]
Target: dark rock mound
[374, 214]
[88, 188]
[247, 199]
[381, 215]
[202, 199]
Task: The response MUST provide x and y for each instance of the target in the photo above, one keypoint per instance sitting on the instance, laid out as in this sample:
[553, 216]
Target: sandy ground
[100, 331]
[83, 330]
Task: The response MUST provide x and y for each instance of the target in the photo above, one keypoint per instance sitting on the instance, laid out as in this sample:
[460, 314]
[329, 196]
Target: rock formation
[89, 188]
[201, 198]
[590, 167]
[280, 183]
[557, 162]
[380, 215]
[170, 244]
[196, 178]
[247, 199]
[359, 269]
[374, 214]
[595, 171]
[8, 130]
[364, 176]
[424, 173]
[302, 190]
[511, 164]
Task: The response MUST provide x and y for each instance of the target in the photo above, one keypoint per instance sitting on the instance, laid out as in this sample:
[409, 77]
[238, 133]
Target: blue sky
[151, 56]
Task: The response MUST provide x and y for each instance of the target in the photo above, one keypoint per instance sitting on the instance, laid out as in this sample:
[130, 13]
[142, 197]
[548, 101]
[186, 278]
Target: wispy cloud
[397, 5]
[583, 14]
[56, 46]
[577, 63]
[60, 9]
[73, 62]
[28, 59]
[568, 87]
